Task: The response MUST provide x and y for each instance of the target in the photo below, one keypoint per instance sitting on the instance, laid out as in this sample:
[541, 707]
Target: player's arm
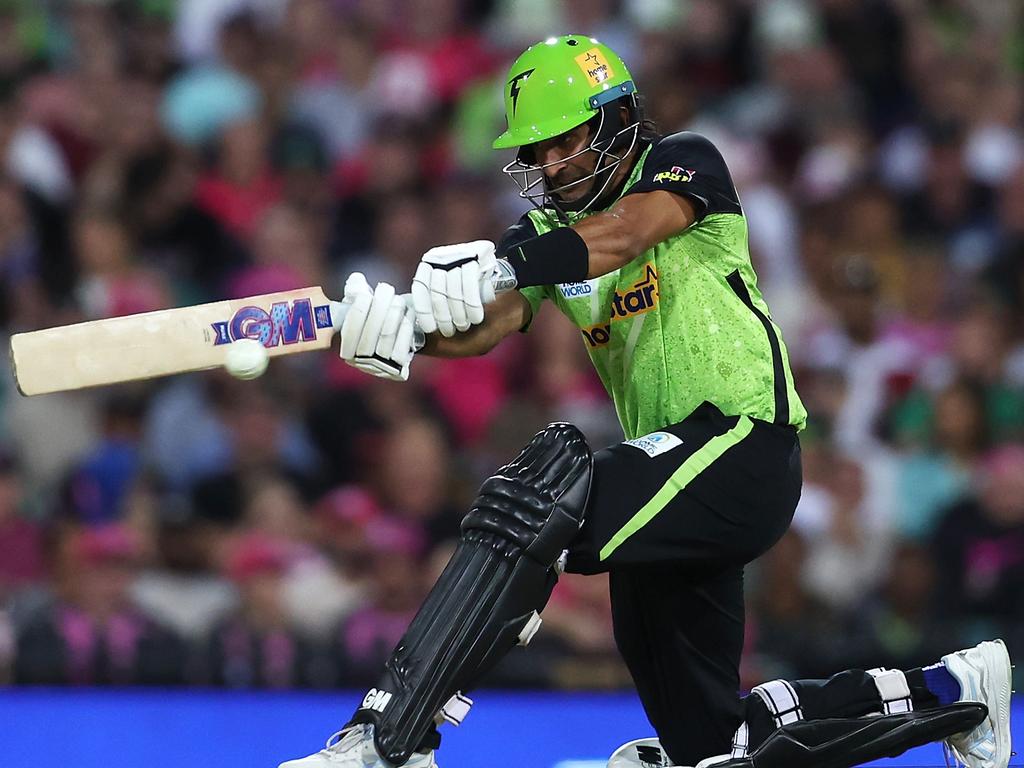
[602, 242]
[633, 225]
[607, 241]
[683, 179]
[508, 313]
[454, 282]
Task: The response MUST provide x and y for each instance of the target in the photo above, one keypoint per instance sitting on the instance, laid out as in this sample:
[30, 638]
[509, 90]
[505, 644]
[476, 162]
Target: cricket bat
[169, 341]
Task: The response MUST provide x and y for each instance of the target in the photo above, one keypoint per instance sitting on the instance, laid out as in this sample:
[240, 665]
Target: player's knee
[536, 501]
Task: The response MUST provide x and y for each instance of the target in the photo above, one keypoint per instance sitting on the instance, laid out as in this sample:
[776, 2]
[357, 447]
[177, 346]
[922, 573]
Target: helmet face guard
[612, 147]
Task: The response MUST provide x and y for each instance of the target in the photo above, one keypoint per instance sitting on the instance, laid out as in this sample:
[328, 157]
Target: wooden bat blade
[169, 341]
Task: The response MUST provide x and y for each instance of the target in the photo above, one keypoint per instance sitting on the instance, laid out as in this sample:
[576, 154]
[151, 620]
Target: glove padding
[377, 335]
[451, 286]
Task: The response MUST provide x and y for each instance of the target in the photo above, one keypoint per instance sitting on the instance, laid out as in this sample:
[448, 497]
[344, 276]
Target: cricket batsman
[640, 240]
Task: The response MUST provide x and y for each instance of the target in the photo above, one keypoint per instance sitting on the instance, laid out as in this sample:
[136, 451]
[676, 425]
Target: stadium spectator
[981, 540]
[942, 469]
[257, 646]
[366, 637]
[22, 555]
[158, 154]
[92, 634]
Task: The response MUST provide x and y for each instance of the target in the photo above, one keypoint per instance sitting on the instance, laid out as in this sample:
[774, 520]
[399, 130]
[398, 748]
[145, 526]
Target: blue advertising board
[217, 729]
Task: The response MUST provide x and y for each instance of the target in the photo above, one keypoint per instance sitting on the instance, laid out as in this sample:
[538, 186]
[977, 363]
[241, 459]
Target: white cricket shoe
[640, 753]
[648, 753]
[984, 676]
[353, 748]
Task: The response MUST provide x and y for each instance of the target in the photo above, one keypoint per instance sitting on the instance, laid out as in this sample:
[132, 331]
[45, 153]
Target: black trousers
[673, 519]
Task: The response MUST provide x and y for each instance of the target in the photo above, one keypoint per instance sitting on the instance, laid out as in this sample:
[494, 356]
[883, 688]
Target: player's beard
[584, 176]
[590, 187]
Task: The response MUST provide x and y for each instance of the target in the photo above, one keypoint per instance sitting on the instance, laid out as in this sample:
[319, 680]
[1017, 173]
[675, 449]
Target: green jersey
[684, 323]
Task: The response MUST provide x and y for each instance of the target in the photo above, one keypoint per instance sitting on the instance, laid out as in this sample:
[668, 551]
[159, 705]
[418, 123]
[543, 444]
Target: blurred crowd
[281, 532]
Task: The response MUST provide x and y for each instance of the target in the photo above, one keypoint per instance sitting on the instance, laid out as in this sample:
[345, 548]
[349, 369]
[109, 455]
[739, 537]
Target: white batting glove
[451, 286]
[377, 335]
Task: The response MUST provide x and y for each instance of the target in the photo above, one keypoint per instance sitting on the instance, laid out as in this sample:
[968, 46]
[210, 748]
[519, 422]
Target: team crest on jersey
[675, 173]
[595, 66]
[641, 298]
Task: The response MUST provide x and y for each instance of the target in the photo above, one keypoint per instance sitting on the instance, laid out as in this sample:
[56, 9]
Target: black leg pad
[502, 571]
[848, 742]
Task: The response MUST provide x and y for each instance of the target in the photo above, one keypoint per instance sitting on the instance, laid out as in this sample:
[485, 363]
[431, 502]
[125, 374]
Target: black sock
[920, 693]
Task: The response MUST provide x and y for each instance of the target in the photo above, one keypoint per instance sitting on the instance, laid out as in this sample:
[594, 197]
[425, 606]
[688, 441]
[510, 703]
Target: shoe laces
[342, 740]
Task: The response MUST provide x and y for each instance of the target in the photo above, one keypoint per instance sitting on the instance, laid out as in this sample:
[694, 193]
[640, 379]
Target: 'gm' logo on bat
[641, 298]
[283, 324]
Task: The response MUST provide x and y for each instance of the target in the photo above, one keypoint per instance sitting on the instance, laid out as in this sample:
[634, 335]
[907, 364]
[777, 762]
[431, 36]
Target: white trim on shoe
[631, 755]
[640, 753]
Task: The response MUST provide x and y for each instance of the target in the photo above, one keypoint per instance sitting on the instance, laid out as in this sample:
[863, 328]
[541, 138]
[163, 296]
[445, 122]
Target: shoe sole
[997, 659]
[997, 664]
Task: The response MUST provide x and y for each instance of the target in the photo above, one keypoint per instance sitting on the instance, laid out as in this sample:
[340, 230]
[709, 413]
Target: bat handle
[338, 312]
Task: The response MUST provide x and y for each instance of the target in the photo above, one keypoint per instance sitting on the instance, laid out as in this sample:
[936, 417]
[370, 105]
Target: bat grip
[338, 312]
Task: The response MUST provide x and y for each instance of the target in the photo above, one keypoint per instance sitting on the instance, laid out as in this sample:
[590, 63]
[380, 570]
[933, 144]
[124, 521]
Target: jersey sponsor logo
[641, 298]
[595, 66]
[575, 290]
[376, 700]
[655, 443]
[597, 335]
[675, 173]
[283, 324]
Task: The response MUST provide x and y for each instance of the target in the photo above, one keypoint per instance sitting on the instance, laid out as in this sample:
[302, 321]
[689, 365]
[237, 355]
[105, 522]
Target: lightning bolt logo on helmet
[514, 85]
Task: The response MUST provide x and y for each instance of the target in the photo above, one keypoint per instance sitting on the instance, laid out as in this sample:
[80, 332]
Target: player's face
[555, 156]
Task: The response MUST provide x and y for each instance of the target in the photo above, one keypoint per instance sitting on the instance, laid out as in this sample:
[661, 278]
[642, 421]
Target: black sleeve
[687, 164]
[515, 235]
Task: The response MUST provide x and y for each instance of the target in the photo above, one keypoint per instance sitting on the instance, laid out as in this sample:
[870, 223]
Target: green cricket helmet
[555, 86]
